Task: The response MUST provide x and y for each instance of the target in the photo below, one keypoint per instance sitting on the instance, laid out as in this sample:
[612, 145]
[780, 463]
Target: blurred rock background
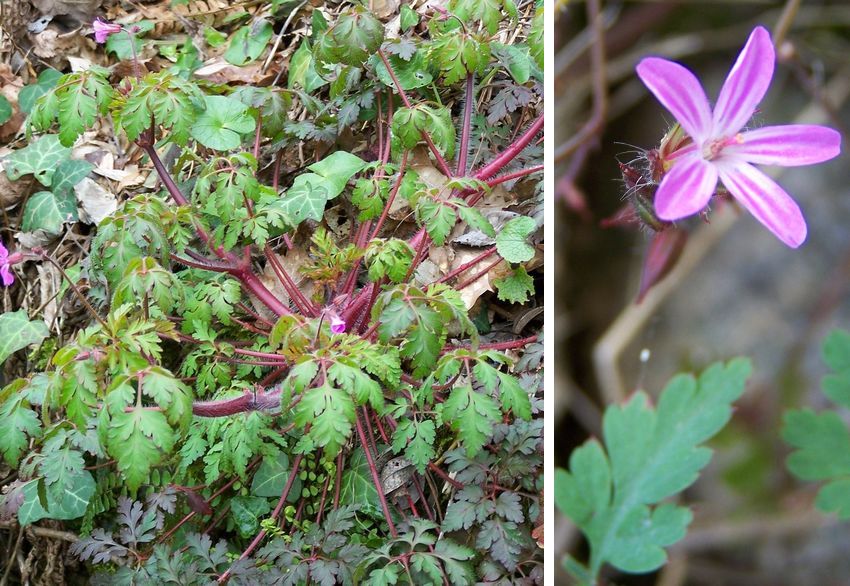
[748, 294]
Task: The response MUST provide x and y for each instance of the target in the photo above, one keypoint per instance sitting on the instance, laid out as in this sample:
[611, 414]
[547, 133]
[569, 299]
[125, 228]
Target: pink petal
[765, 200]
[6, 275]
[686, 188]
[680, 92]
[337, 325]
[787, 146]
[4, 253]
[746, 84]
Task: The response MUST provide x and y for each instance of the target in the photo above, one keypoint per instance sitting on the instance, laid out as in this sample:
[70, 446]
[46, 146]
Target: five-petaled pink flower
[104, 28]
[720, 151]
[6, 274]
[337, 324]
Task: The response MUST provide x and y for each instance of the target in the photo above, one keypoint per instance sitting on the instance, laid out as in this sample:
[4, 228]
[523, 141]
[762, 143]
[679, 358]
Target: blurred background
[736, 289]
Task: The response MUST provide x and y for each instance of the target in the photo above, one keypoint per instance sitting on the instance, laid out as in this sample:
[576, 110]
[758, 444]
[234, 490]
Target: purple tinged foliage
[721, 151]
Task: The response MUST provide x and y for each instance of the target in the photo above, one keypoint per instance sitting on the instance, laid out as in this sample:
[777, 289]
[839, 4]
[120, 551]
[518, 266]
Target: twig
[600, 90]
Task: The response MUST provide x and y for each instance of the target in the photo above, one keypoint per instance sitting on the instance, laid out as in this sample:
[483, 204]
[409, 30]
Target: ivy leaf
[40, 158]
[17, 331]
[302, 70]
[223, 123]
[411, 73]
[246, 512]
[31, 93]
[357, 486]
[472, 415]
[511, 241]
[336, 169]
[271, 478]
[48, 211]
[5, 110]
[249, 42]
[408, 17]
[68, 174]
[651, 455]
[66, 502]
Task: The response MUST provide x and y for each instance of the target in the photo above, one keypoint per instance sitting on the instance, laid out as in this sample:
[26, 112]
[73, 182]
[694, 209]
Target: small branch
[478, 275]
[600, 93]
[467, 265]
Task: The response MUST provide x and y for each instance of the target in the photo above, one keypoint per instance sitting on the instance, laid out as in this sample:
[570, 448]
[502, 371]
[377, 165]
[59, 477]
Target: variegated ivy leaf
[40, 158]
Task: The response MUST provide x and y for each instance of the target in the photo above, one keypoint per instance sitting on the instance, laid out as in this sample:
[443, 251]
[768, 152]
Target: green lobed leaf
[17, 423]
[138, 440]
[652, 455]
[411, 74]
[472, 415]
[516, 287]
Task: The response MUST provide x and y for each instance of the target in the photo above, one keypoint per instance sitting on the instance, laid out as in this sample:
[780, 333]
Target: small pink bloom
[6, 274]
[721, 152]
[104, 28]
[337, 325]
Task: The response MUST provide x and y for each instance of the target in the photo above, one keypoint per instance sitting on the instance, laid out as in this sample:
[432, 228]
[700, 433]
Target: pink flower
[104, 28]
[337, 324]
[720, 151]
[6, 262]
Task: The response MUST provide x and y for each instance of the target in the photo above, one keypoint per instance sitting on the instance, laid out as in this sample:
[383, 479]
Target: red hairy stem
[367, 312]
[262, 534]
[249, 326]
[215, 266]
[421, 492]
[439, 472]
[375, 477]
[467, 265]
[247, 402]
[510, 153]
[467, 125]
[371, 434]
[391, 198]
[509, 345]
[380, 123]
[254, 314]
[476, 196]
[249, 280]
[258, 354]
[304, 306]
[478, 275]
[253, 284]
[381, 428]
[441, 162]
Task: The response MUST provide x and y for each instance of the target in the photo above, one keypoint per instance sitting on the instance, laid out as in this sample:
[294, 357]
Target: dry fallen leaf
[96, 203]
